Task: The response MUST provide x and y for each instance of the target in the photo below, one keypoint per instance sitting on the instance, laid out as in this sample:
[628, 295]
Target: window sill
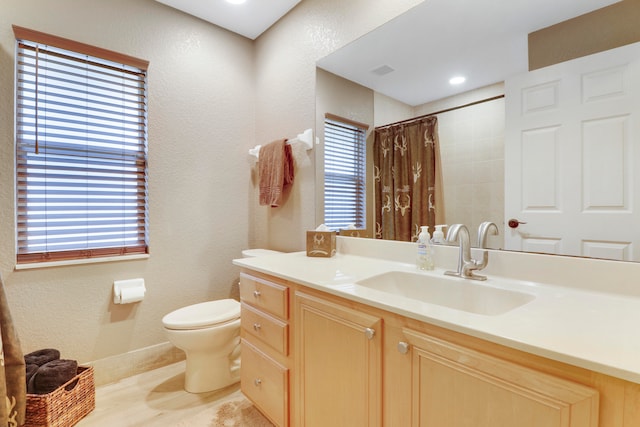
[70, 262]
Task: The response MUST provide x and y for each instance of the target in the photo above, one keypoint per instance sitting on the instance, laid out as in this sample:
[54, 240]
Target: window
[81, 150]
[344, 173]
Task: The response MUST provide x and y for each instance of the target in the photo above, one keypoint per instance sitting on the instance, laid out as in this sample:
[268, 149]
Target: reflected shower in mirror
[471, 155]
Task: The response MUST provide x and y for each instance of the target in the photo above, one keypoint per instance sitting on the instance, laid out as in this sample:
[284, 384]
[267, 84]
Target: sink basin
[456, 293]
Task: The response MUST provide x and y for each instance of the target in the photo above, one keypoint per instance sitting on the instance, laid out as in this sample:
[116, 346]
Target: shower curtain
[12, 369]
[408, 184]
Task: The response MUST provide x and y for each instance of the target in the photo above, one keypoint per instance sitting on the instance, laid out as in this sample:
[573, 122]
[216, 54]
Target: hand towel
[40, 357]
[31, 369]
[275, 169]
[52, 375]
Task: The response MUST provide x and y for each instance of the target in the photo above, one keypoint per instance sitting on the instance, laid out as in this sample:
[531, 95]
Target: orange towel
[275, 169]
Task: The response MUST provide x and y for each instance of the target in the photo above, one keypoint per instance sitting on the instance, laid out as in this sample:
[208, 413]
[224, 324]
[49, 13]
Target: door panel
[572, 155]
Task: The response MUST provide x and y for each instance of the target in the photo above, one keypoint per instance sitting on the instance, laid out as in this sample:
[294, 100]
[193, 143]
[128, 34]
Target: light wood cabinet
[338, 364]
[314, 359]
[264, 377]
[455, 386]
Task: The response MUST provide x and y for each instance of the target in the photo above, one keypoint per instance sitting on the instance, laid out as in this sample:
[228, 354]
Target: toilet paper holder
[128, 291]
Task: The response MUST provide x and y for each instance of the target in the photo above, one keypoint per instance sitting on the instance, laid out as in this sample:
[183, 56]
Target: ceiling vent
[382, 70]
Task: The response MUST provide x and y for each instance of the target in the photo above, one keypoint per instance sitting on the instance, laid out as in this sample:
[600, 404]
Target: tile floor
[150, 399]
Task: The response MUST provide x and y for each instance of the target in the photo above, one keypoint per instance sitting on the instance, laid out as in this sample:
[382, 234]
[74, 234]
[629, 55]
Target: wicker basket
[64, 406]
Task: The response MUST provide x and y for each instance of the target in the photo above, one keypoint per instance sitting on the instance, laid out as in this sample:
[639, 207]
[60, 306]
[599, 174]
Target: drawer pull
[257, 382]
[369, 333]
[256, 293]
[403, 347]
[257, 326]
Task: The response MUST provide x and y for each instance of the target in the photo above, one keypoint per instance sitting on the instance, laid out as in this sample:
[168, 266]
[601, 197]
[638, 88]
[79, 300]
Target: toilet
[251, 253]
[209, 334]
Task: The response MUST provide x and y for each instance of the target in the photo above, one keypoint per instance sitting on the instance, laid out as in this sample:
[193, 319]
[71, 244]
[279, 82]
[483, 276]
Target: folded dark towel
[52, 375]
[40, 357]
[32, 368]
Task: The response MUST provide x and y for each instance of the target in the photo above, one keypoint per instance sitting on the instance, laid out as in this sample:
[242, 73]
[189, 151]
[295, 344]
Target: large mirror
[402, 70]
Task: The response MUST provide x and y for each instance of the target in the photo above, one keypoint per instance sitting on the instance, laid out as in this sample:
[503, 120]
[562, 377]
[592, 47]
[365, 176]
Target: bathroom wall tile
[482, 172]
[483, 149]
[496, 168]
[472, 150]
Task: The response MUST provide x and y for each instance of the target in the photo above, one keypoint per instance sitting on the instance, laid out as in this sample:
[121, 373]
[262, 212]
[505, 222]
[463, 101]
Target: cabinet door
[338, 364]
[457, 387]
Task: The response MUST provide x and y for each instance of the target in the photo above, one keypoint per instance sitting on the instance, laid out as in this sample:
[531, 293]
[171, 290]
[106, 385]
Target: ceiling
[484, 40]
[249, 19]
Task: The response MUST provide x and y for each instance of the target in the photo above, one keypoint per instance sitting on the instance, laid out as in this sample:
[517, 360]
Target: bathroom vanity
[321, 347]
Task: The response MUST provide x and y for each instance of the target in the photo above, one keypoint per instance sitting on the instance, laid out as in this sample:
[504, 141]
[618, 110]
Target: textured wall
[201, 119]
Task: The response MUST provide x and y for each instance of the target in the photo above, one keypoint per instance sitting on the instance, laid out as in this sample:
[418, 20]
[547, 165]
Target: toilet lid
[251, 253]
[202, 315]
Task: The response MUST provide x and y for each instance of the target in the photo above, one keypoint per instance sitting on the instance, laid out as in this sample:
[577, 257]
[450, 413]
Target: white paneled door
[572, 157]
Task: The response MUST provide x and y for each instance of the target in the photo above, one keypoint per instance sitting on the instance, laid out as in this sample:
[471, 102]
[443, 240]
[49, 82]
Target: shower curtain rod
[446, 110]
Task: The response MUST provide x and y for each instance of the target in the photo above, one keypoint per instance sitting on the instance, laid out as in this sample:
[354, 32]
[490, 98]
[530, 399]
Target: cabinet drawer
[270, 330]
[268, 296]
[265, 383]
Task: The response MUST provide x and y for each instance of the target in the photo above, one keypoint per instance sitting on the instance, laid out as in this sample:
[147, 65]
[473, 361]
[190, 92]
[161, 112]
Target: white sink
[460, 294]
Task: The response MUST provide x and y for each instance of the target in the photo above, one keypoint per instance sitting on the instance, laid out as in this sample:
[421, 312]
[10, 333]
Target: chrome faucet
[466, 264]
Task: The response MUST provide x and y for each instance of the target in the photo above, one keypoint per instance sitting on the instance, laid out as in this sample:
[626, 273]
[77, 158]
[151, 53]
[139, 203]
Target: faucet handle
[469, 268]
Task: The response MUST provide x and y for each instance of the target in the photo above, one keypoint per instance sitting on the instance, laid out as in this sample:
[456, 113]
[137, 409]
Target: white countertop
[591, 329]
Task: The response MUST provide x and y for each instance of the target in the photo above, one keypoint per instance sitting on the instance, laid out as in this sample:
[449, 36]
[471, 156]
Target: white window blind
[344, 174]
[81, 151]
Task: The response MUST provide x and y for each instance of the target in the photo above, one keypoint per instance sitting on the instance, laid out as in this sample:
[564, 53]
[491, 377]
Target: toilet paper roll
[133, 294]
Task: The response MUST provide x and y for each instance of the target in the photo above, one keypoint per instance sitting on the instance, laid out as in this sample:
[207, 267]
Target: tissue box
[353, 232]
[321, 243]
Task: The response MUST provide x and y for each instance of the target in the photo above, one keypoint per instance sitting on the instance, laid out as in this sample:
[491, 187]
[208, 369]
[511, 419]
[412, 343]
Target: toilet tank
[250, 253]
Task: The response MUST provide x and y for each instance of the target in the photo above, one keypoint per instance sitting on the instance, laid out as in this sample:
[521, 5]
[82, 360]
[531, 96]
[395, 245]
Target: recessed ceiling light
[457, 80]
[236, 1]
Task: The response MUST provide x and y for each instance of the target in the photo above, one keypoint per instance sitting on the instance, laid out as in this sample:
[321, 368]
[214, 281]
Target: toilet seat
[251, 253]
[203, 315]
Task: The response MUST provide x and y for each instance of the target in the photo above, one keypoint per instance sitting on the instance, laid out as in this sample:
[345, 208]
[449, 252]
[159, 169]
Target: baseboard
[115, 368]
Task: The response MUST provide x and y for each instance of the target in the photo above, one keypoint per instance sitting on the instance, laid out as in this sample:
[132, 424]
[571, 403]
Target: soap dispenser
[424, 259]
[438, 235]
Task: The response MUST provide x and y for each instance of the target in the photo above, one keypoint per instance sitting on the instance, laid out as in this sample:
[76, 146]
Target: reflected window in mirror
[344, 173]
